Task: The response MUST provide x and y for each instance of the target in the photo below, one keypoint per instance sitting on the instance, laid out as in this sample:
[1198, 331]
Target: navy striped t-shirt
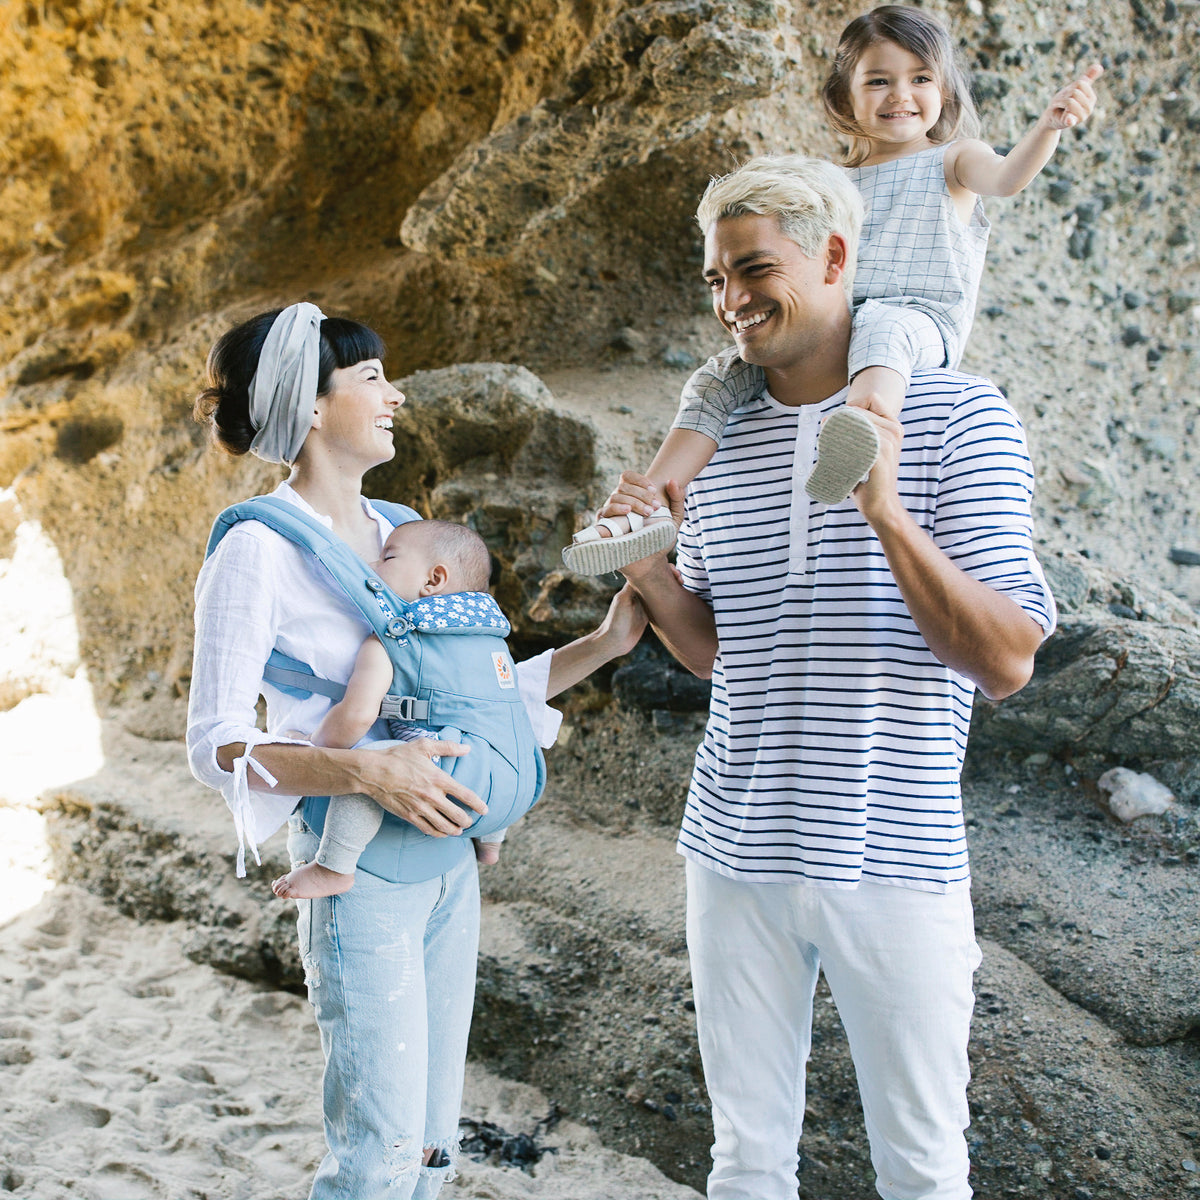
[835, 739]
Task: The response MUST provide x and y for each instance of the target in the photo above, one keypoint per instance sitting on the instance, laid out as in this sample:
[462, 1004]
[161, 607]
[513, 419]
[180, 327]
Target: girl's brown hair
[919, 34]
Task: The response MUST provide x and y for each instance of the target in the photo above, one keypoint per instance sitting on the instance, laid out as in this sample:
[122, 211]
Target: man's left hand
[878, 498]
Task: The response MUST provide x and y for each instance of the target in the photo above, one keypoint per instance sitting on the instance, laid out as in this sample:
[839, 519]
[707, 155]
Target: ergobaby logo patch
[504, 670]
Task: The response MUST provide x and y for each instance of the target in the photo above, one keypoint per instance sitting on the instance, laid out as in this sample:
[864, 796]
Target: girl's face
[896, 98]
[354, 416]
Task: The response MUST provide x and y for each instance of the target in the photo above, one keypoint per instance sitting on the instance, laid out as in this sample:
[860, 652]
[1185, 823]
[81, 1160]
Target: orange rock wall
[169, 168]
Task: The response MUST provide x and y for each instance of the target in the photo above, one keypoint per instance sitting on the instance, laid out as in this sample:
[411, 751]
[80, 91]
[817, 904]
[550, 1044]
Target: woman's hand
[404, 780]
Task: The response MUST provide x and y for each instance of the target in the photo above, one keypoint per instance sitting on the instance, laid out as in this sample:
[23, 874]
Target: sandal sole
[611, 554]
[846, 451]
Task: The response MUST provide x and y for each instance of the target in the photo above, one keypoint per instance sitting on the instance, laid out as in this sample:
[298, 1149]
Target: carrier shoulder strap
[389, 616]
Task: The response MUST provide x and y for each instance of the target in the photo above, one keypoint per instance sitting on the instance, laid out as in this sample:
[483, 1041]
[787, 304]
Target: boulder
[484, 444]
[1125, 690]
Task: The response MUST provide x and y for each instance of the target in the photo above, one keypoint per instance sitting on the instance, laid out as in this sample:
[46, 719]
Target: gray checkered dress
[915, 288]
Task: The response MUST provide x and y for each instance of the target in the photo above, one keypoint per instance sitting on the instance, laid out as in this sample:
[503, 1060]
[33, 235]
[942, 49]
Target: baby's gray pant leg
[724, 383]
[898, 336]
[350, 823]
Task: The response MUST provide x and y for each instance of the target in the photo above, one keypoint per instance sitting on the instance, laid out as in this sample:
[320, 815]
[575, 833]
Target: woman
[390, 967]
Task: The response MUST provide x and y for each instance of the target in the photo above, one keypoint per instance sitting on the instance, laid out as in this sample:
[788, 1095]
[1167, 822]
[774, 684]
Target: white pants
[899, 964]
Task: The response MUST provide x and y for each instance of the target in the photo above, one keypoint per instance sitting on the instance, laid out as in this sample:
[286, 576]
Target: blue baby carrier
[452, 674]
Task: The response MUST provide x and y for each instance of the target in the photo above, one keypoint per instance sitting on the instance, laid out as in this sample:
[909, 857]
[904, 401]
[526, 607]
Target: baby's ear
[438, 578]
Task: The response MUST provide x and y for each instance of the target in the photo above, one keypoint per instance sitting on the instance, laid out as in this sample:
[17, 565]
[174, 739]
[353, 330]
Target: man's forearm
[683, 622]
[967, 625]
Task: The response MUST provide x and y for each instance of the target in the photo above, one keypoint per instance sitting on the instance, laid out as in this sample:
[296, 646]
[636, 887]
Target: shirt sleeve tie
[237, 796]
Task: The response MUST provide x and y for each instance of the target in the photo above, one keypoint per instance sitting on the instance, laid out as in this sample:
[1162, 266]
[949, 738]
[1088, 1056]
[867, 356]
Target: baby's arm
[617, 634]
[349, 719]
[973, 166]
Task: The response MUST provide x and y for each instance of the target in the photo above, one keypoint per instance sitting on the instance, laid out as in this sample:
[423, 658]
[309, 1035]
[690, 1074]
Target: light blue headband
[283, 391]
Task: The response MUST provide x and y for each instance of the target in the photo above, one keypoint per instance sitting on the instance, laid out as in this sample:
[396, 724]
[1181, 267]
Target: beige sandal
[590, 553]
[846, 451]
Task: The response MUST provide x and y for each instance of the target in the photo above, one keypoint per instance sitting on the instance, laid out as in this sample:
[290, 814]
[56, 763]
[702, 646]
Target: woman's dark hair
[921, 35]
[225, 403]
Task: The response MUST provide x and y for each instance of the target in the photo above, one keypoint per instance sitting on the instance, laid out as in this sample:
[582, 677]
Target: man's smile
[741, 324]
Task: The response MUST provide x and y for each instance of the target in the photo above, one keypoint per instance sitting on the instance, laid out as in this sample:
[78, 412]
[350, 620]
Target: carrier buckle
[404, 708]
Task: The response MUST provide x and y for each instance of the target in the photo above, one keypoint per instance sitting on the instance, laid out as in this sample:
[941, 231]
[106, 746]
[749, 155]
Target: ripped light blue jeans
[390, 969]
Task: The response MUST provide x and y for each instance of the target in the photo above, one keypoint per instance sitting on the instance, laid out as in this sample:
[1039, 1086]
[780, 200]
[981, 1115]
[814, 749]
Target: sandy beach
[130, 1073]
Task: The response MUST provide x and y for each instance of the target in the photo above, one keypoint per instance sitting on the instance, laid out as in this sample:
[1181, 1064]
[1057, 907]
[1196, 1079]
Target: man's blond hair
[808, 197]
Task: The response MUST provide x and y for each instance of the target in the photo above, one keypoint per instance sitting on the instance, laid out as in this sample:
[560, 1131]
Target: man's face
[773, 298]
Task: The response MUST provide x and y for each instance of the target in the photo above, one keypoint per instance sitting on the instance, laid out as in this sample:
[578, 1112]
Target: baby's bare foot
[310, 882]
[487, 853]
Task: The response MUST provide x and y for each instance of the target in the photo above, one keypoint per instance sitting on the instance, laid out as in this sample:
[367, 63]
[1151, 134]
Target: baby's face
[404, 565]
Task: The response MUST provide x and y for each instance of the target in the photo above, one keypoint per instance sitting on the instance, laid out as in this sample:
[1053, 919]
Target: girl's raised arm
[973, 166]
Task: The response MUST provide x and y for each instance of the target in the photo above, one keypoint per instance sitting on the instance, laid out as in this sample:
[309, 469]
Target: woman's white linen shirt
[258, 592]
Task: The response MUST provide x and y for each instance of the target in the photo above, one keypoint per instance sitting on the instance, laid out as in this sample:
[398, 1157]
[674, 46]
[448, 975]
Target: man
[823, 826]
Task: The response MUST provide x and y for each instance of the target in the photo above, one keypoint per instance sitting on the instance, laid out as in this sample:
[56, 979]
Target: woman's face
[355, 415]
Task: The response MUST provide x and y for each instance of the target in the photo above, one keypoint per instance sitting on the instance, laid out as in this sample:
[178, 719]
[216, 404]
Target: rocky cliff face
[515, 183]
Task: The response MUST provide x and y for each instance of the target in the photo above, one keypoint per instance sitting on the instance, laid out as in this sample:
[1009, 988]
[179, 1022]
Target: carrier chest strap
[403, 708]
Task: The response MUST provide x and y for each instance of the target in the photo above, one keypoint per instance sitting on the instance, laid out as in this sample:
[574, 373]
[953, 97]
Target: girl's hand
[1074, 103]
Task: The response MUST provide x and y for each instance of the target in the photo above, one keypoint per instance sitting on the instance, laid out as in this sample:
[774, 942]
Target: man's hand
[404, 780]
[878, 498]
[635, 493]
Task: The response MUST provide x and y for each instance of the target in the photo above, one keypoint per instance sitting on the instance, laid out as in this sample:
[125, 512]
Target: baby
[419, 559]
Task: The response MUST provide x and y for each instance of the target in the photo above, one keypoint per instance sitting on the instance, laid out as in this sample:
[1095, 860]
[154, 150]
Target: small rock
[1059, 190]
[1132, 335]
[1133, 794]
[1133, 299]
[1189, 1164]
[1185, 558]
[674, 357]
[628, 339]
[1082, 242]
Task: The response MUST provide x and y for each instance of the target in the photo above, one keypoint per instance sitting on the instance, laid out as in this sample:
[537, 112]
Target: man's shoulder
[953, 394]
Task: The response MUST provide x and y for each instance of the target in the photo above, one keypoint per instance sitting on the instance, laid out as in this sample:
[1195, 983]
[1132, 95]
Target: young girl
[897, 91]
